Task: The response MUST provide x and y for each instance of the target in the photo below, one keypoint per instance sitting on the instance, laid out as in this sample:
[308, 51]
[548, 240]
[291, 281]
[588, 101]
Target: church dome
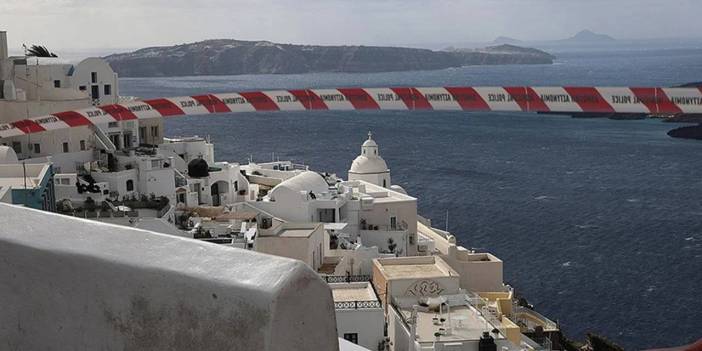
[369, 161]
[198, 168]
[7, 155]
[307, 182]
[364, 164]
[369, 143]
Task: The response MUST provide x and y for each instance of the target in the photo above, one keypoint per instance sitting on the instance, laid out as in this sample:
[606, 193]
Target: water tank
[198, 168]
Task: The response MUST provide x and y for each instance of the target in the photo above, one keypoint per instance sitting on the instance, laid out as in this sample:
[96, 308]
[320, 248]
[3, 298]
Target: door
[215, 194]
[95, 92]
[127, 140]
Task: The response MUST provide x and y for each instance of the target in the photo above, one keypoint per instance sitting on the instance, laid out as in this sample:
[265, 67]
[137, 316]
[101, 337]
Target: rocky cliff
[226, 56]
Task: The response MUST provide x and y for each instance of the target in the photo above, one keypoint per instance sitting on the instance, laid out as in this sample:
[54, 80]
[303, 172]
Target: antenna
[24, 173]
[447, 217]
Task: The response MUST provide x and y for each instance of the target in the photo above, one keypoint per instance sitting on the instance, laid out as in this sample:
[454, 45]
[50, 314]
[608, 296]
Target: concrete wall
[118, 181]
[480, 272]
[398, 334]
[380, 239]
[306, 249]
[51, 144]
[105, 76]
[71, 284]
[379, 179]
[6, 195]
[358, 261]
[446, 284]
[367, 323]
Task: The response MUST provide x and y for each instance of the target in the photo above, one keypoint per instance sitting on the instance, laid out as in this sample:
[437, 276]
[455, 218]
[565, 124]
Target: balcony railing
[347, 278]
[357, 305]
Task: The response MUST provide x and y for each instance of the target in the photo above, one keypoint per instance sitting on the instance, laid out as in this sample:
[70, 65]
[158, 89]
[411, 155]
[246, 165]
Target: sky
[121, 24]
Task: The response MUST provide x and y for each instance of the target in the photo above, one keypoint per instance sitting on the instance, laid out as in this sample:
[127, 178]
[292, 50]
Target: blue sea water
[599, 222]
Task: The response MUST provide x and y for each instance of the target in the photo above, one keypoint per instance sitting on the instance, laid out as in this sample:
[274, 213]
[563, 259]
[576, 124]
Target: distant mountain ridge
[585, 39]
[230, 57]
[588, 36]
[506, 40]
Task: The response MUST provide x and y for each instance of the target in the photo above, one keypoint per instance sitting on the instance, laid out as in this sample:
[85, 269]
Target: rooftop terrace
[417, 267]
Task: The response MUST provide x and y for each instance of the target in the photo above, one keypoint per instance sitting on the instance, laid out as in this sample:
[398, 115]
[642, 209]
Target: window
[181, 198]
[236, 185]
[154, 131]
[108, 89]
[82, 145]
[130, 185]
[155, 164]
[82, 88]
[37, 148]
[95, 91]
[327, 215]
[112, 125]
[393, 223]
[93, 77]
[57, 84]
[64, 181]
[352, 337]
[65, 147]
[17, 146]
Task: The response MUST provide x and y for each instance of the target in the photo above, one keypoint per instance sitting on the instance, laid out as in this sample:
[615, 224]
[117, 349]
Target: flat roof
[343, 292]
[414, 271]
[13, 175]
[239, 215]
[295, 233]
[416, 267]
[18, 182]
[466, 324]
[294, 230]
[378, 193]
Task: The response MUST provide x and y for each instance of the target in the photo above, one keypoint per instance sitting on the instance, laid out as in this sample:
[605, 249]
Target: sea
[598, 222]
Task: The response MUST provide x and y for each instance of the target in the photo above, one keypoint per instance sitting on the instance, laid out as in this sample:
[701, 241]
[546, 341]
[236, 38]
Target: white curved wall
[73, 284]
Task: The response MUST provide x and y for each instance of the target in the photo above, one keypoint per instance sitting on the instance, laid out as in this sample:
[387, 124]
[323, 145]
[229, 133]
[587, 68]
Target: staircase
[103, 140]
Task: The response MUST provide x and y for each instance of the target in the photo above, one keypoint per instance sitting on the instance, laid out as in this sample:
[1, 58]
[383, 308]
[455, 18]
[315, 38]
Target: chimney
[3, 56]
[3, 45]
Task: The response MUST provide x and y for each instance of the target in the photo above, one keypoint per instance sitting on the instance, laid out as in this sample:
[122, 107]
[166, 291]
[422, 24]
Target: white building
[359, 314]
[450, 322]
[301, 241]
[31, 87]
[413, 276]
[369, 166]
[479, 271]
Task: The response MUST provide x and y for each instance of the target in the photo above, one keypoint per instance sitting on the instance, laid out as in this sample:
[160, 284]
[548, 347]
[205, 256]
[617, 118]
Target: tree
[391, 245]
[40, 51]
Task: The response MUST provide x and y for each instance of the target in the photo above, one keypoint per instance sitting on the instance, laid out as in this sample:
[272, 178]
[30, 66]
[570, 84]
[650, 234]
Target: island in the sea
[230, 57]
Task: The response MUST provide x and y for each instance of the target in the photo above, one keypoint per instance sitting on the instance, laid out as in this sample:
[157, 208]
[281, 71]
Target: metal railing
[546, 323]
[347, 278]
[357, 305]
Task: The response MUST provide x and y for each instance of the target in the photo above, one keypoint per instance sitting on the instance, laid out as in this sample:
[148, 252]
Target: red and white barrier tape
[525, 99]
